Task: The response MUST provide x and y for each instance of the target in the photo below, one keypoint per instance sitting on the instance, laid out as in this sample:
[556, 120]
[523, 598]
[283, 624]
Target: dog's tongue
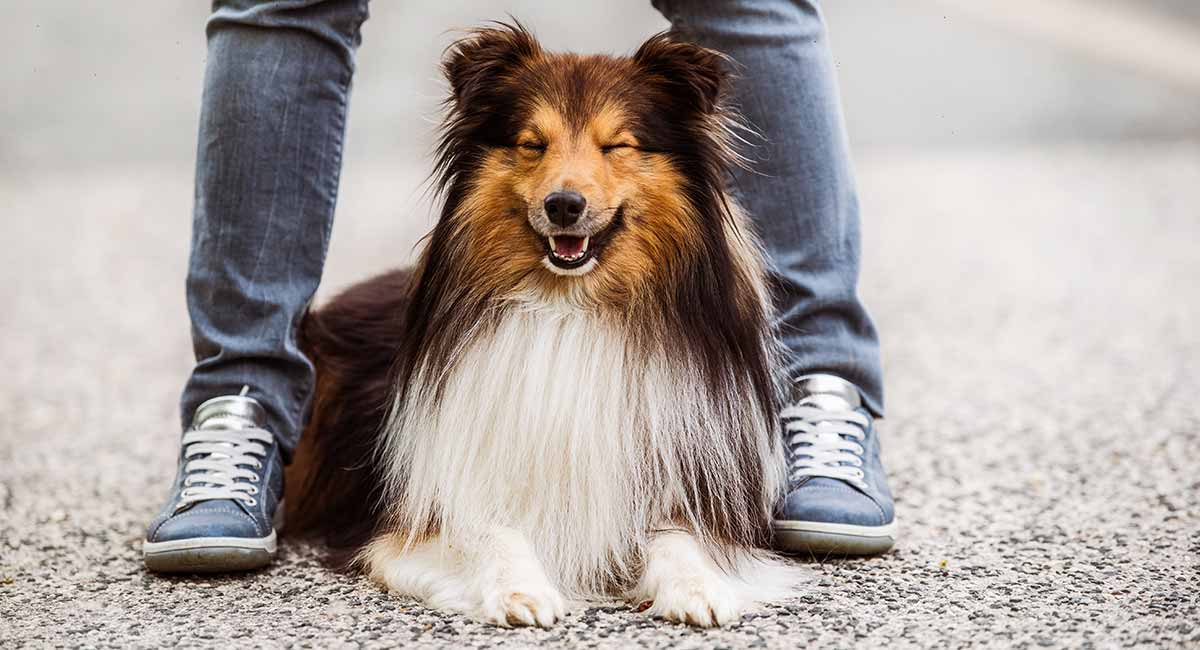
[568, 246]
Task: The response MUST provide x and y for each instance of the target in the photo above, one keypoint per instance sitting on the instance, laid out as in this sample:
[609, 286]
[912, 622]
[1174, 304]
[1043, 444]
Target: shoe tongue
[230, 412]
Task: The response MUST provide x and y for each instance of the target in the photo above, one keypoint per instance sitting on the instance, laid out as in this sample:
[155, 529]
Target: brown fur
[643, 138]
[353, 341]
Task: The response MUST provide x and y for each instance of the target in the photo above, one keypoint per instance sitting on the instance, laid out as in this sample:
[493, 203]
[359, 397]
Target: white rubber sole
[818, 537]
[887, 530]
[267, 543]
[209, 554]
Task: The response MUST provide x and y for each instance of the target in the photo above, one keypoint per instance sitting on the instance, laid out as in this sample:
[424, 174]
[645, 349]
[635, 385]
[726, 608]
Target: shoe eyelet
[251, 501]
[257, 465]
[254, 478]
[253, 490]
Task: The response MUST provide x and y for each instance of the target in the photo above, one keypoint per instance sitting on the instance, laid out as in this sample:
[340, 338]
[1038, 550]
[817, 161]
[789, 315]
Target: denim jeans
[272, 125]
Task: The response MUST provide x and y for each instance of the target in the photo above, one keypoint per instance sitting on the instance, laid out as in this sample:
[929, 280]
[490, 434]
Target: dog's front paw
[529, 603]
[685, 585]
[696, 599]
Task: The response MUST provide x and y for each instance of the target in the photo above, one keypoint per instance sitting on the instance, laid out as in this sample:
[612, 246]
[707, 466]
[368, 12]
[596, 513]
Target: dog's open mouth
[569, 252]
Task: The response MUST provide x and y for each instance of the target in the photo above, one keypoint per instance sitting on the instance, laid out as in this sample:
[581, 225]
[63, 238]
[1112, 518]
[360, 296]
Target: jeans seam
[299, 406]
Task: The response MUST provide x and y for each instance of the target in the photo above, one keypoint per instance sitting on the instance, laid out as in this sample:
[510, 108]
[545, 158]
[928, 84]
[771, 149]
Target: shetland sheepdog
[571, 395]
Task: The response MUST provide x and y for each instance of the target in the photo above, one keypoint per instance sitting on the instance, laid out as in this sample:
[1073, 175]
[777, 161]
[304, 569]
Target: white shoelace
[825, 442]
[215, 464]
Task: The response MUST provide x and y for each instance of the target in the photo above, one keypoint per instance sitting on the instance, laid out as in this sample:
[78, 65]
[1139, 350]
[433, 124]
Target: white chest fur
[553, 426]
[552, 461]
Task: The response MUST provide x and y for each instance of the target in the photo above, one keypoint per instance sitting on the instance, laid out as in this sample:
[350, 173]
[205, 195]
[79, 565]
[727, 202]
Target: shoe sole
[820, 538]
[209, 554]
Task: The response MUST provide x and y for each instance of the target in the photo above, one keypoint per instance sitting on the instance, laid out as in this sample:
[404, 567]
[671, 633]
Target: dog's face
[578, 180]
[582, 168]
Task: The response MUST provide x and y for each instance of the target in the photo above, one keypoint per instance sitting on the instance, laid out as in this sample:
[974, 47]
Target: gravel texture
[1041, 315]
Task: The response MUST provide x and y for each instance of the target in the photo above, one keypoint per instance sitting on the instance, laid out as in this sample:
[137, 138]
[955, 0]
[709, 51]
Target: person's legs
[800, 193]
[272, 123]
[800, 190]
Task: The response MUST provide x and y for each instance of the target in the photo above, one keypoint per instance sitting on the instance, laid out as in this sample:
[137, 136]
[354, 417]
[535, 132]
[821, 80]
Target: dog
[571, 395]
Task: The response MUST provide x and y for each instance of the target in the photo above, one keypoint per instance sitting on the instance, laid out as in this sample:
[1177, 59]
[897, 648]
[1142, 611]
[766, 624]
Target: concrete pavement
[1040, 313]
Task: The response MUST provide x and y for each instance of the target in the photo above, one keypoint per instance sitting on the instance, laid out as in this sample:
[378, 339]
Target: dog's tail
[333, 486]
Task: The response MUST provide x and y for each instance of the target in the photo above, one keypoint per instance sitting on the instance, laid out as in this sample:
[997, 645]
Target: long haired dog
[571, 394]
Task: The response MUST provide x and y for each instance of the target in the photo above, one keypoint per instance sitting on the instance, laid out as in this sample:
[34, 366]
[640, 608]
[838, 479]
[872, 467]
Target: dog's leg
[513, 587]
[685, 584]
[494, 578]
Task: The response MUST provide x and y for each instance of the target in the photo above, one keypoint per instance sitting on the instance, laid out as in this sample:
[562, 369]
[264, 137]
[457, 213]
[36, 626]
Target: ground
[1039, 310]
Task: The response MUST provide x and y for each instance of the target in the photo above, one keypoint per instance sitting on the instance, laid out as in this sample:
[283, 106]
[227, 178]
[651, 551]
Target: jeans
[272, 126]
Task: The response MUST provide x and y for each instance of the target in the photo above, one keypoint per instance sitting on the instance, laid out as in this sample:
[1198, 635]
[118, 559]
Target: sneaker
[227, 490]
[838, 500]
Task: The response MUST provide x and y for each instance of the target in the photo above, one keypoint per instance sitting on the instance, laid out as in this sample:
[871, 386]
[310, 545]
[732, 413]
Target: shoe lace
[825, 442]
[222, 463]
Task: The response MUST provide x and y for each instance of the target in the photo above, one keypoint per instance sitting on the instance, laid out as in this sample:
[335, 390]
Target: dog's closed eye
[609, 148]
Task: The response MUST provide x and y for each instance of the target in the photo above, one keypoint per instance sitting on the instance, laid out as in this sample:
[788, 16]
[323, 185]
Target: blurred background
[915, 75]
[1029, 173]
[93, 90]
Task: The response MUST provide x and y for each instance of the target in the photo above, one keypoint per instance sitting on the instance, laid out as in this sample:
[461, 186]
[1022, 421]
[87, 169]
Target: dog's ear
[697, 75]
[476, 63]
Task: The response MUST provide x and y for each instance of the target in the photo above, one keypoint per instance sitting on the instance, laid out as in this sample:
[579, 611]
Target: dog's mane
[708, 306]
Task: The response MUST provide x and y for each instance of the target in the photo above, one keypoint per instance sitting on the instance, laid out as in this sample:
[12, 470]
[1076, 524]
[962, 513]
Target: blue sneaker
[220, 516]
[838, 500]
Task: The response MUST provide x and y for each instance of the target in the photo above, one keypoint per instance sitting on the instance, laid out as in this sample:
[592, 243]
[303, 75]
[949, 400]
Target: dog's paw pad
[536, 606]
[696, 600]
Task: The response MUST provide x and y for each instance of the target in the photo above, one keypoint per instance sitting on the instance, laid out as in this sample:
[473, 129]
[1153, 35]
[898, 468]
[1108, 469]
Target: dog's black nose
[564, 208]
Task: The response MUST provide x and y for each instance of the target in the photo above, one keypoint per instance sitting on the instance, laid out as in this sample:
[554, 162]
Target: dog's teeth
[552, 246]
[585, 245]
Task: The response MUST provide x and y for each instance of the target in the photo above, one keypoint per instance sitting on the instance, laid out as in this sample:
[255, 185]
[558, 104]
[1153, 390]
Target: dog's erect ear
[699, 74]
[478, 61]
